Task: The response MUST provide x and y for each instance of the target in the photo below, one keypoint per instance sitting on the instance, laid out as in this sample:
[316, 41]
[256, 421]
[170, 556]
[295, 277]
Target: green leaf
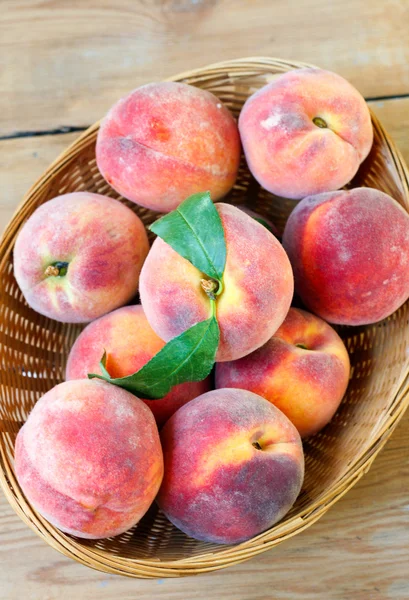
[196, 232]
[102, 364]
[187, 357]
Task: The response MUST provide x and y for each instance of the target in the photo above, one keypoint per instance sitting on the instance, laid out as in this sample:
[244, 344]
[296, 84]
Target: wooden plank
[65, 62]
[394, 115]
[22, 160]
[359, 550]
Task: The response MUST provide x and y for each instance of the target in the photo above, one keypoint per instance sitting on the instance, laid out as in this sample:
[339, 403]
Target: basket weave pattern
[33, 351]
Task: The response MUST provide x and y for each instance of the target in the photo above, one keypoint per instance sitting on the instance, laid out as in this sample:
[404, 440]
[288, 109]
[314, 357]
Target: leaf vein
[201, 245]
[193, 351]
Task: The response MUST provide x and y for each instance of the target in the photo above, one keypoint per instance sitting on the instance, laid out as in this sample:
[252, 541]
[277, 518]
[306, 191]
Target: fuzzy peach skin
[257, 292]
[130, 343]
[265, 221]
[350, 255]
[102, 244]
[89, 458]
[234, 466]
[305, 133]
[303, 370]
[166, 141]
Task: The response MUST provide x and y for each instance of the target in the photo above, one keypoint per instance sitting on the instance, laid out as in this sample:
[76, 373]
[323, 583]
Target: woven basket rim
[206, 561]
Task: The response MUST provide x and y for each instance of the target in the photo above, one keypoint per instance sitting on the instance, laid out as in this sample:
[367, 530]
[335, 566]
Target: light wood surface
[62, 64]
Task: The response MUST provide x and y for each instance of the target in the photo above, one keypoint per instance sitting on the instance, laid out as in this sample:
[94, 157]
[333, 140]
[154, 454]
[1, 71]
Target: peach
[166, 141]
[257, 287]
[89, 458]
[260, 218]
[130, 343]
[79, 256]
[350, 255]
[303, 370]
[306, 132]
[234, 466]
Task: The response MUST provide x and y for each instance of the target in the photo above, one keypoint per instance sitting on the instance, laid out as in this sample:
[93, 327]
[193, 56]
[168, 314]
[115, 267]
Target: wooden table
[63, 63]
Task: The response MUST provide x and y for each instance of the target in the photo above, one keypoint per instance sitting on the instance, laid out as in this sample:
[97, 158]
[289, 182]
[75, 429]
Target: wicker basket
[33, 350]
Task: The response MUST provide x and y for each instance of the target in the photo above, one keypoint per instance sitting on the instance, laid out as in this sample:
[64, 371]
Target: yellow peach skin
[129, 342]
[257, 287]
[166, 141]
[79, 256]
[305, 133]
[303, 370]
[234, 466]
[350, 255]
[89, 458]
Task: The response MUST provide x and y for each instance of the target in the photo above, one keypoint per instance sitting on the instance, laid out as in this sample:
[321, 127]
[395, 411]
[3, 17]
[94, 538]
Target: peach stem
[210, 286]
[319, 122]
[58, 269]
[51, 270]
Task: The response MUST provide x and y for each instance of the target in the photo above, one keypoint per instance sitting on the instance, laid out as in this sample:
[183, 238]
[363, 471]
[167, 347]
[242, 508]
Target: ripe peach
[79, 256]
[260, 218]
[257, 287]
[350, 255]
[306, 132]
[234, 466]
[89, 458]
[130, 343]
[303, 370]
[166, 141]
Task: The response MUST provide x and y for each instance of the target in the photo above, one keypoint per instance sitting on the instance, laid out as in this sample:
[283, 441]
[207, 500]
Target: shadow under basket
[33, 351]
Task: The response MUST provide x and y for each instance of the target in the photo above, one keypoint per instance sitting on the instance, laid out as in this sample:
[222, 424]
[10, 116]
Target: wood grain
[64, 62]
[22, 161]
[359, 549]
